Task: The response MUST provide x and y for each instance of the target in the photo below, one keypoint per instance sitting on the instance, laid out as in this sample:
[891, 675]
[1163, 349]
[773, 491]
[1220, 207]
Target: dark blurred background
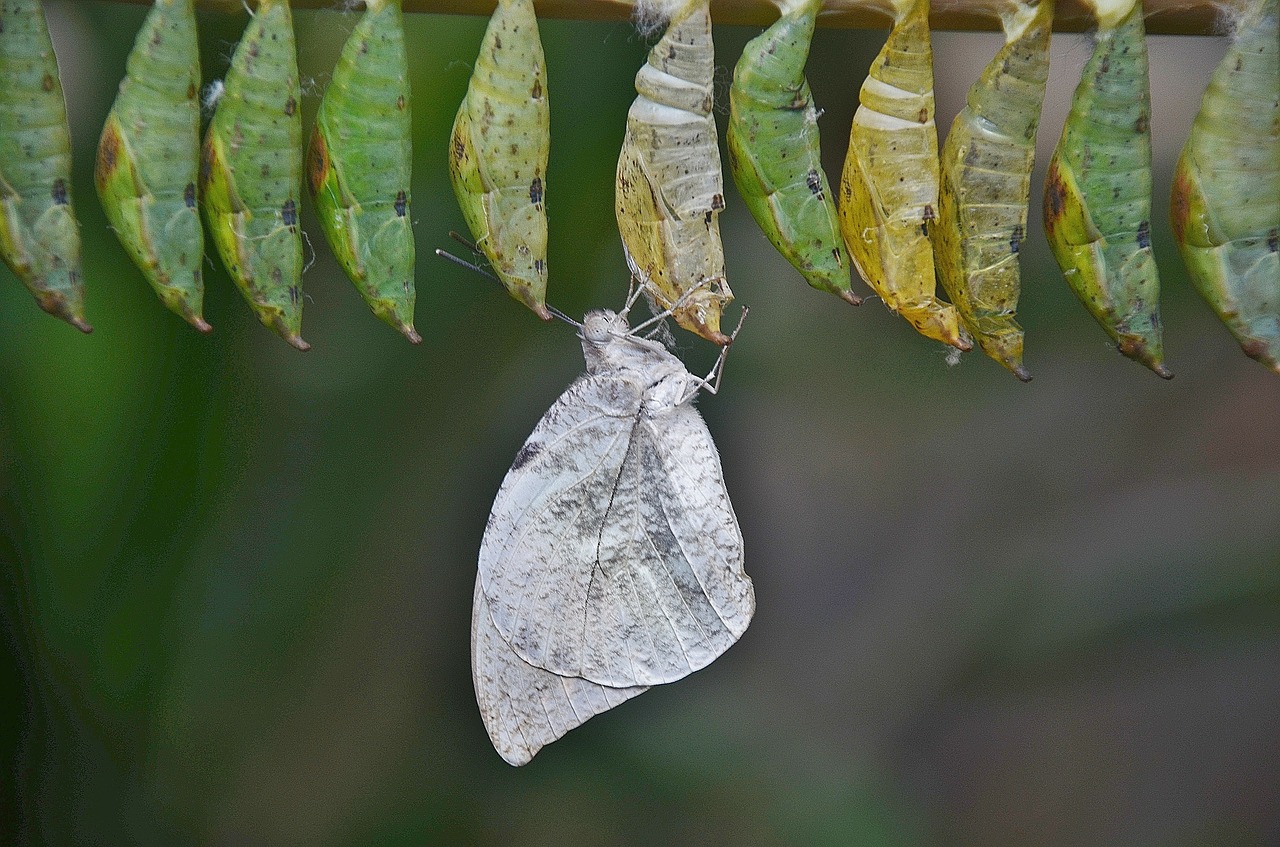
[237, 579]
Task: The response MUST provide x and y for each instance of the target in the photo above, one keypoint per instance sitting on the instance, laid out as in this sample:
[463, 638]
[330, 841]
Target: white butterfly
[612, 560]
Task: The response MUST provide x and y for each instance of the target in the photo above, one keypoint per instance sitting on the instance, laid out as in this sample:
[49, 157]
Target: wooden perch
[1183, 17]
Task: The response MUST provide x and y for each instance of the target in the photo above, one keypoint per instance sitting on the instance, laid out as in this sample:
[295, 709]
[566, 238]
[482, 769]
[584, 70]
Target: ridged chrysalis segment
[39, 234]
[889, 187]
[670, 189]
[1097, 193]
[1226, 188]
[149, 155]
[774, 152]
[986, 181]
[360, 161]
[251, 176]
[499, 149]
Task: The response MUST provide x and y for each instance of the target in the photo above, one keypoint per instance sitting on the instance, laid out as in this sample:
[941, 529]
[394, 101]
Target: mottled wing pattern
[643, 582]
[525, 707]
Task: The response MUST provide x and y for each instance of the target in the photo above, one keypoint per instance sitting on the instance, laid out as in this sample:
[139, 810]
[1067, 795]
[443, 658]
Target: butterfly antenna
[461, 239]
[464, 263]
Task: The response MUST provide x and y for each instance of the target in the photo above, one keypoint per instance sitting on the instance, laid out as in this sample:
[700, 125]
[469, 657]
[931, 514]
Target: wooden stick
[1164, 17]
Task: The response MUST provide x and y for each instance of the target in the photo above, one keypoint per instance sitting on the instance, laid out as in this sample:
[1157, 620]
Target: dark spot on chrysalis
[1141, 125]
[717, 202]
[497, 42]
[47, 82]
[400, 103]
[535, 191]
[1015, 241]
[192, 91]
[924, 115]
[402, 202]
[1055, 196]
[814, 182]
[290, 106]
[536, 91]
[540, 266]
[364, 47]
[265, 170]
[1144, 234]
[294, 294]
[189, 195]
[526, 455]
[60, 191]
[254, 47]
[1273, 241]
[290, 213]
[971, 156]
[277, 276]
[1105, 65]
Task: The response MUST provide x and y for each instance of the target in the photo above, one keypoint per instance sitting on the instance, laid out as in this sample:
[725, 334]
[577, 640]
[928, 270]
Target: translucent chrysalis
[1226, 188]
[499, 149]
[889, 186]
[986, 181]
[670, 188]
[39, 234]
[251, 174]
[612, 559]
[1097, 193]
[774, 153]
[148, 158]
[360, 161]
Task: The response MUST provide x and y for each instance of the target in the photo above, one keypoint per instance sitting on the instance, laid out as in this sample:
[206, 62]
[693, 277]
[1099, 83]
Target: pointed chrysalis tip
[200, 324]
[1161, 371]
[411, 334]
[297, 342]
[850, 298]
[80, 324]
[1022, 373]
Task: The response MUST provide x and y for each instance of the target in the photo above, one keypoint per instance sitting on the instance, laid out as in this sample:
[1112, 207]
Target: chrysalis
[1097, 193]
[889, 187]
[39, 234]
[612, 559]
[986, 181]
[670, 189]
[251, 176]
[1226, 188]
[774, 151]
[499, 149]
[359, 165]
[149, 155]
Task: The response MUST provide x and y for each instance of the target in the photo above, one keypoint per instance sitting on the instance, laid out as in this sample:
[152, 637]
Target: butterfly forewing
[612, 553]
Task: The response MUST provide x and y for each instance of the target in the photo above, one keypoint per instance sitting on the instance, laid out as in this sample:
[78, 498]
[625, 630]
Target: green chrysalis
[986, 181]
[149, 155]
[889, 186]
[499, 150]
[670, 188]
[360, 161]
[1097, 194]
[39, 234]
[774, 151]
[1226, 188]
[251, 174]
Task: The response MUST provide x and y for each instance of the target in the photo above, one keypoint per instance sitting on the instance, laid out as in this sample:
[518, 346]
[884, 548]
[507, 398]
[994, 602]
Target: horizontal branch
[1185, 17]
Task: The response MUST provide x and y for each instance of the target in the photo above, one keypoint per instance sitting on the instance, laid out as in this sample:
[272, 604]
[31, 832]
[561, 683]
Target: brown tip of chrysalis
[296, 341]
[540, 310]
[1162, 371]
[200, 324]
[410, 333]
[1022, 373]
[850, 298]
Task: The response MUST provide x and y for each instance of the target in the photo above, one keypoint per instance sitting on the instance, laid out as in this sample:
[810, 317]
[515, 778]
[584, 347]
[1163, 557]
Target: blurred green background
[237, 579]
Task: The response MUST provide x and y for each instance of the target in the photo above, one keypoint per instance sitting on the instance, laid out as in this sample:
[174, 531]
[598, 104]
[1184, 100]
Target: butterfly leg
[711, 382]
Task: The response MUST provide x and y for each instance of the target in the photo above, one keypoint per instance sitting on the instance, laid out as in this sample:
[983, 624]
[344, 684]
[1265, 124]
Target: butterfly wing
[612, 552]
[525, 707]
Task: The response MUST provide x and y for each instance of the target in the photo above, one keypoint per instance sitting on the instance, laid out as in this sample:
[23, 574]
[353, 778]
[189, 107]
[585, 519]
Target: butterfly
[612, 559]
